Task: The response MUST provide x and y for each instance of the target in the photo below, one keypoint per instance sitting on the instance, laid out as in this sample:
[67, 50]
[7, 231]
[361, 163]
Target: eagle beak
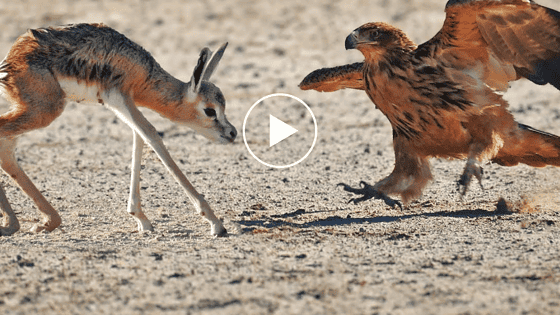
[351, 41]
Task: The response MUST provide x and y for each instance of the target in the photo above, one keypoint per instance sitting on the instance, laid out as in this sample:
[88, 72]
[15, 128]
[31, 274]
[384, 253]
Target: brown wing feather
[512, 39]
[332, 79]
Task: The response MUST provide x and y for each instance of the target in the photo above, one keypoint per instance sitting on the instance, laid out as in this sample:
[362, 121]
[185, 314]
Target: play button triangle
[279, 130]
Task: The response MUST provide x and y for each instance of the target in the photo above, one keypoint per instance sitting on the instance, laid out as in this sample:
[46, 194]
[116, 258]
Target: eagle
[443, 98]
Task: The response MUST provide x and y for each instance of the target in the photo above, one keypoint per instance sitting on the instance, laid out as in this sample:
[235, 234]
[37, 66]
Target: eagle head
[378, 36]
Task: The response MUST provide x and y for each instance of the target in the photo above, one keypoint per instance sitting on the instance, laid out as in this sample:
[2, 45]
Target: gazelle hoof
[219, 231]
[7, 231]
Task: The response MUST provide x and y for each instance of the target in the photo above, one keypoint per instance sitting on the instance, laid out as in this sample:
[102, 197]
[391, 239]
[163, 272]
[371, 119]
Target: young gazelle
[92, 63]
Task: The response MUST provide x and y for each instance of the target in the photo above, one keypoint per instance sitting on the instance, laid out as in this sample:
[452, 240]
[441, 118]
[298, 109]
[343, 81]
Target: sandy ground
[297, 244]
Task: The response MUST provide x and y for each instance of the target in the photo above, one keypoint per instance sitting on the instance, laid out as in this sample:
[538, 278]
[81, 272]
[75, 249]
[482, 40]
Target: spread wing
[498, 41]
[332, 79]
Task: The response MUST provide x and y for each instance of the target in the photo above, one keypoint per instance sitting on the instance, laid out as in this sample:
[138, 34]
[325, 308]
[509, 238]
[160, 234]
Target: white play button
[279, 130]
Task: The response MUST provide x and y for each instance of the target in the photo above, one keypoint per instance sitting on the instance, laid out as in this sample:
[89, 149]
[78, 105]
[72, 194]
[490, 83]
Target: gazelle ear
[199, 69]
[213, 63]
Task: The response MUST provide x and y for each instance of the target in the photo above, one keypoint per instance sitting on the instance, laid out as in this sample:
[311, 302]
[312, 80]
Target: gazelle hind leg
[125, 108]
[134, 204]
[37, 100]
[10, 223]
[51, 219]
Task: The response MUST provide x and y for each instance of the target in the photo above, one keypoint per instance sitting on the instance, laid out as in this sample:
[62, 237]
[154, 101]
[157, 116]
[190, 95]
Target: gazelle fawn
[92, 63]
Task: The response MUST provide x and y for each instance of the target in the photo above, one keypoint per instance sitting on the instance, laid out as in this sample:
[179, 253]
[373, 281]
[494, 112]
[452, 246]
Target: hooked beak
[351, 41]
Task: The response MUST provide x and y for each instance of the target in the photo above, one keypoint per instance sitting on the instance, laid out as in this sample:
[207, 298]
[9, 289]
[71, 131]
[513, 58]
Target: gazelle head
[207, 115]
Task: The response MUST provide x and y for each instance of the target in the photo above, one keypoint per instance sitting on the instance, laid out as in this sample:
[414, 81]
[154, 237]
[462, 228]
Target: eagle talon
[465, 180]
[369, 192]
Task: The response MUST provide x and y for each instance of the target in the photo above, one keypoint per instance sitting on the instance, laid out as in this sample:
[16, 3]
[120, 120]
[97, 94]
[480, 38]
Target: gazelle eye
[210, 112]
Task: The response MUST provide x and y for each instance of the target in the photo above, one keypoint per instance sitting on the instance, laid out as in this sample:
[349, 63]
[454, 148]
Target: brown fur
[96, 64]
[441, 97]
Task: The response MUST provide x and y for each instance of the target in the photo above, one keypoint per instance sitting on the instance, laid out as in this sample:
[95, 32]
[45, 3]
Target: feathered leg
[411, 173]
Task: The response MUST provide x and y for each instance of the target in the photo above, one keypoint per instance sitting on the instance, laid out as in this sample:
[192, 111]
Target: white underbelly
[80, 92]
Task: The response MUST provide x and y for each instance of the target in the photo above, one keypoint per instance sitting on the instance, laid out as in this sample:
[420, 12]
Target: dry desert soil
[298, 243]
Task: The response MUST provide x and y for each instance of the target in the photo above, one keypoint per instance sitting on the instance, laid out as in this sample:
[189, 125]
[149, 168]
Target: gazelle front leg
[202, 207]
[134, 205]
[125, 109]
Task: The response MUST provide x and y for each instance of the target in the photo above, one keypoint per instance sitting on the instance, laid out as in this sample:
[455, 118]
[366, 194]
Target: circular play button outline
[276, 95]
